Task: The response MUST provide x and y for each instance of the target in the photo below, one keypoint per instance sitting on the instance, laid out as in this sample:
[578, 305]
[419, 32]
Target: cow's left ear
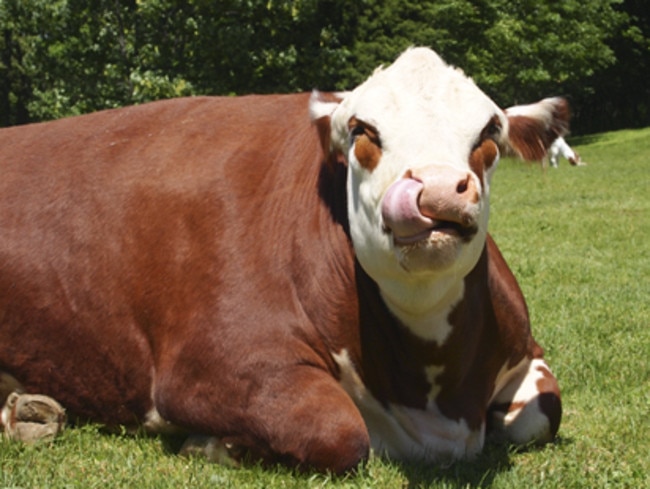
[533, 128]
[321, 107]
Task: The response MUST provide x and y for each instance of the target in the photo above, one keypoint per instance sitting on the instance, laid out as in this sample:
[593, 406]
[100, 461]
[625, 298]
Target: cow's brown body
[175, 249]
[188, 264]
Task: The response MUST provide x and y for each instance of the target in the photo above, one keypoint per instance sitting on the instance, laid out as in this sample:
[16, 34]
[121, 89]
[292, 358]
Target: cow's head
[421, 142]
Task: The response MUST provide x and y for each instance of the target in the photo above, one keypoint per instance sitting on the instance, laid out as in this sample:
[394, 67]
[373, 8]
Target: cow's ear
[321, 107]
[533, 128]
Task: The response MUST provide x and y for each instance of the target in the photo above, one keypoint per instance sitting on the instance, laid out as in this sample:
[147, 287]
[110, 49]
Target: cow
[560, 148]
[293, 292]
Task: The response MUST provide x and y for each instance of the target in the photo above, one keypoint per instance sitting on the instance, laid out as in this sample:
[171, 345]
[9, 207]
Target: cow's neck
[423, 306]
[393, 360]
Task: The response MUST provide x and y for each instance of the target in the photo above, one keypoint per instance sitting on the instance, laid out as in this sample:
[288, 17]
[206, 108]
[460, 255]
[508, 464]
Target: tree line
[67, 57]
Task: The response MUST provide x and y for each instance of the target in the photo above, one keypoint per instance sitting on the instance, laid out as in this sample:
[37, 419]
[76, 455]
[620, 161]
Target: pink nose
[433, 198]
[446, 191]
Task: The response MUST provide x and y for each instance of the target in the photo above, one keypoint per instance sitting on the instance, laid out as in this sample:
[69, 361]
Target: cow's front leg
[527, 408]
[297, 415]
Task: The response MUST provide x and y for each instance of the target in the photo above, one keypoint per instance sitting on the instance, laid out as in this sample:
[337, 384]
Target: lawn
[578, 239]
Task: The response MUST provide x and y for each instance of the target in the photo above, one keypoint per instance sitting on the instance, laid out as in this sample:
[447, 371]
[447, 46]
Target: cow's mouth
[438, 230]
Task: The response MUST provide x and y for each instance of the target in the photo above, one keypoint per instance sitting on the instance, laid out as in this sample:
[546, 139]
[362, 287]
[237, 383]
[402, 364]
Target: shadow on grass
[171, 444]
[587, 139]
[478, 472]
[495, 459]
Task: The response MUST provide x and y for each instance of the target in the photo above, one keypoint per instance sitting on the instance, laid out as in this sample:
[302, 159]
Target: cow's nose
[444, 189]
[435, 198]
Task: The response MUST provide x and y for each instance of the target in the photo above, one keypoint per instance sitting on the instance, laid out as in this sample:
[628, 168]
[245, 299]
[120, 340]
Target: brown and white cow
[200, 264]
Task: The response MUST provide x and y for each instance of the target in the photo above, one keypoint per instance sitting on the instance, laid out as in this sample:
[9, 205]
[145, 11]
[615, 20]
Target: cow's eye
[366, 141]
[356, 131]
[359, 128]
[485, 152]
[492, 130]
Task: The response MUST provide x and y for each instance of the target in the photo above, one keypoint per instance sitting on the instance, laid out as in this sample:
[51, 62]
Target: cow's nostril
[462, 186]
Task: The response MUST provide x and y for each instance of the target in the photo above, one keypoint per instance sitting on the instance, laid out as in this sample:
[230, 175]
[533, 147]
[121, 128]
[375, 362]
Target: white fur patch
[519, 384]
[318, 108]
[425, 308]
[432, 372]
[507, 381]
[539, 110]
[524, 421]
[155, 423]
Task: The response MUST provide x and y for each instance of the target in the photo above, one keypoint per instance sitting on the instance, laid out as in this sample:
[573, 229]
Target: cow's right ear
[533, 128]
[321, 107]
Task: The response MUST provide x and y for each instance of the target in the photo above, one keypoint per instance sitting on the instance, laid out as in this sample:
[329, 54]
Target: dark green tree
[65, 57]
[619, 95]
[517, 50]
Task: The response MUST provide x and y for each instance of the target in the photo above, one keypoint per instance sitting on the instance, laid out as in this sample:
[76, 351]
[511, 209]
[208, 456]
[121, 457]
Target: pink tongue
[400, 210]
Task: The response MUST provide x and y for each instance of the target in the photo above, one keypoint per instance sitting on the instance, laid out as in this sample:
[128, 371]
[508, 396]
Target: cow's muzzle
[431, 200]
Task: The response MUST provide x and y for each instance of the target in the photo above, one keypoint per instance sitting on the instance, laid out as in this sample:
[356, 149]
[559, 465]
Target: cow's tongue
[401, 213]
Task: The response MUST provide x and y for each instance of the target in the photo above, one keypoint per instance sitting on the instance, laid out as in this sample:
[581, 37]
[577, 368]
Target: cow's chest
[409, 433]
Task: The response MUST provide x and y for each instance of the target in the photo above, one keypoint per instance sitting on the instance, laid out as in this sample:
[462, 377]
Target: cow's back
[124, 234]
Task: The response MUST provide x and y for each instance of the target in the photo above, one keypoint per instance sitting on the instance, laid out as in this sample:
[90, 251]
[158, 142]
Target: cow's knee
[316, 426]
[529, 408]
[299, 416]
[337, 446]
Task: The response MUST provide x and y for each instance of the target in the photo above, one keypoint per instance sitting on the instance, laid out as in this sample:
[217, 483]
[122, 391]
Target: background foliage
[65, 57]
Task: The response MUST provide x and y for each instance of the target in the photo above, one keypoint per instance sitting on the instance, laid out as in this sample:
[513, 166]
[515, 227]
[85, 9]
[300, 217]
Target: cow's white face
[419, 139]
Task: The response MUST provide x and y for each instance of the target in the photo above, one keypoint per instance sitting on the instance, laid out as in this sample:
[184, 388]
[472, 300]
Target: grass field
[578, 240]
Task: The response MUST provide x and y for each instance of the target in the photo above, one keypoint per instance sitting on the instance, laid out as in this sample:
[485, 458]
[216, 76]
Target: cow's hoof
[212, 449]
[32, 417]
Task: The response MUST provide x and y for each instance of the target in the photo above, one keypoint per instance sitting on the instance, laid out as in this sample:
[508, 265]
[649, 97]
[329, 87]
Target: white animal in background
[560, 148]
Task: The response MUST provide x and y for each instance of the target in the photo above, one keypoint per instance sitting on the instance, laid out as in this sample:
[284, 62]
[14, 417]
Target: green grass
[578, 239]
